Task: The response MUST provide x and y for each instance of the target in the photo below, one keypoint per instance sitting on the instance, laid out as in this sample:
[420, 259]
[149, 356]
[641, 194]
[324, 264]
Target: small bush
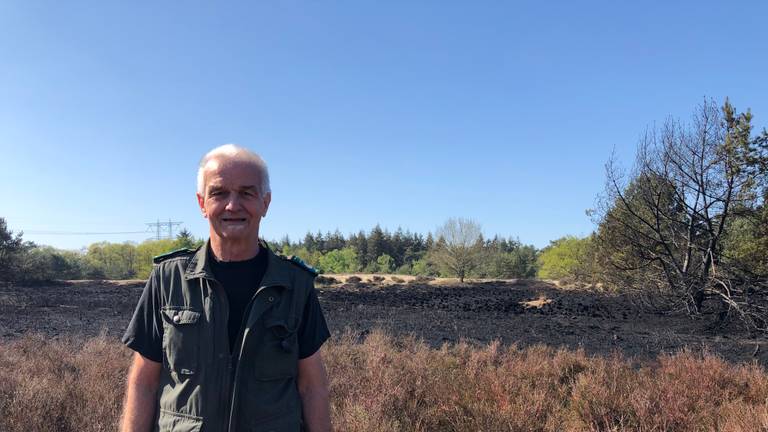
[326, 280]
[354, 279]
[396, 279]
[377, 278]
[422, 279]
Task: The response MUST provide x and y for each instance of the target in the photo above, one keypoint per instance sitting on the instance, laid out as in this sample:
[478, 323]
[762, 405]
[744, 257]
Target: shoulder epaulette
[173, 254]
[293, 259]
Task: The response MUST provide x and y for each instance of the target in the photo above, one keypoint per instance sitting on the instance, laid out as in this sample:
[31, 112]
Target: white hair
[237, 153]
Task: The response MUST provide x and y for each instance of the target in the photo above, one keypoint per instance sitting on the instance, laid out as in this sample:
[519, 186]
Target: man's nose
[233, 203]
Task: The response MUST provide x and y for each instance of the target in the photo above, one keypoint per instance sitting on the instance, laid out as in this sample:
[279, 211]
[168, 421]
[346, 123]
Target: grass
[386, 384]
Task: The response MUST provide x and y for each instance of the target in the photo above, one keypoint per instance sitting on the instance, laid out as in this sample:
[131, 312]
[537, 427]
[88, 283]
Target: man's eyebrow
[249, 187]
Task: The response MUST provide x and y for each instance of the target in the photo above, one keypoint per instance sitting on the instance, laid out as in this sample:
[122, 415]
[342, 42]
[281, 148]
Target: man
[227, 336]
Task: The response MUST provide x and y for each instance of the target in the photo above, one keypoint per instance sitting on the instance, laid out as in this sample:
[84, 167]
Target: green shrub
[566, 257]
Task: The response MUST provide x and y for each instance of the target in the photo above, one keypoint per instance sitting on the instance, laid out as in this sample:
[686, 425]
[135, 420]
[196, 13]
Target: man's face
[231, 200]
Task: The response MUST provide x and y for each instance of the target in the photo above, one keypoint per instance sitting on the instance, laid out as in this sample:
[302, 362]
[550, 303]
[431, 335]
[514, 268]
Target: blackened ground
[525, 312]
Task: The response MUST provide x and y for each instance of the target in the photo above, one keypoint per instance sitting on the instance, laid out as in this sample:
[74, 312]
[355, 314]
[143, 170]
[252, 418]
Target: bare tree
[662, 225]
[459, 246]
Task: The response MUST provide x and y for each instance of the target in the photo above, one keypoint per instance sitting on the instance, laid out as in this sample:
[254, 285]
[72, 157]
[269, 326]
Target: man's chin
[236, 233]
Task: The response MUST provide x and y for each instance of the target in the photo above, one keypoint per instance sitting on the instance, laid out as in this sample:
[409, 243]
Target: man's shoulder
[176, 254]
[298, 264]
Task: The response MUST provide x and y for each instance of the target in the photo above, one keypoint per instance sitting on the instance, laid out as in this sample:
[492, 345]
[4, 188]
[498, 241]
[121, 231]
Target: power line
[51, 232]
[161, 228]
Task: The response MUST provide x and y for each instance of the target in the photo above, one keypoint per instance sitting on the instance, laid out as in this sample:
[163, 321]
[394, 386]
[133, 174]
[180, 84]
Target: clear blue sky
[400, 113]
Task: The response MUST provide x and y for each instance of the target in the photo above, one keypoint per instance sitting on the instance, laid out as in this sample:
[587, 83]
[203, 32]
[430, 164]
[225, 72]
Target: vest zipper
[227, 380]
[239, 345]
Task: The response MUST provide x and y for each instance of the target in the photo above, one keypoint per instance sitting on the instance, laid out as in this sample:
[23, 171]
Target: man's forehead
[227, 168]
[225, 179]
[219, 184]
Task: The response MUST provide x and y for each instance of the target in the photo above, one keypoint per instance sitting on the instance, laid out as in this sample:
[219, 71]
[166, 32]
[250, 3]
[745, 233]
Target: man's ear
[267, 200]
[201, 203]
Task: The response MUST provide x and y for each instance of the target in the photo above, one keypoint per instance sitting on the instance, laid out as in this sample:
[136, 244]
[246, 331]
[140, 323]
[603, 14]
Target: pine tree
[185, 240]
[375, 244]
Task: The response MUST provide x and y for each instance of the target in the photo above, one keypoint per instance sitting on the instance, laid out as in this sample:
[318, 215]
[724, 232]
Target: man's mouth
[233, 220]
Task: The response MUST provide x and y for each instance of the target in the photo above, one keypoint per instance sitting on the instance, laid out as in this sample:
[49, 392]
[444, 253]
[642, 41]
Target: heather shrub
[354, 279]
[396, 279]
[60, 386]
[401, 384]
[683, 392]
[377, 278]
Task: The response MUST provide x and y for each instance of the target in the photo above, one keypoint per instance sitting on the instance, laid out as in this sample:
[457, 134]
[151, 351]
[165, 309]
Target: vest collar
[278, 270]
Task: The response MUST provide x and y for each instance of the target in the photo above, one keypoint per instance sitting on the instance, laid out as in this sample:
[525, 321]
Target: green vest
[202, 387]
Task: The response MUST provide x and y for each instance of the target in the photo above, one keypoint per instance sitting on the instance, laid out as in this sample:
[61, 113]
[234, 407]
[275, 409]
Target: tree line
[375, 251]
[407, 253]
[27, 262]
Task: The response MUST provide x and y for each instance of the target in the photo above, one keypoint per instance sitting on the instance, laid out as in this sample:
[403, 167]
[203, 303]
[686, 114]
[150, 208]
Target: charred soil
[525, 312]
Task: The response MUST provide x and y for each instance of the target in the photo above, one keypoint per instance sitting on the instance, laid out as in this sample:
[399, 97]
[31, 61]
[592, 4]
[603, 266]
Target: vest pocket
[280, 351]
[181, 339]
[272, 405]
[170, 421]
[288, 422]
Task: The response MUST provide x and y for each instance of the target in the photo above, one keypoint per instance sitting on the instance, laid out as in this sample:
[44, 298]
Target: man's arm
[313, 389]
[140, 395]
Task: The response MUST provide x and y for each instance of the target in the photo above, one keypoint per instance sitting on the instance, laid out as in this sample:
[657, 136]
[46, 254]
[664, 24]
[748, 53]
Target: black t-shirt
[240, 280]
[145, 331]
